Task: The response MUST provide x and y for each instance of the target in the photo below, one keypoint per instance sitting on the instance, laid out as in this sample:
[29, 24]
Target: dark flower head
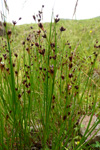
[4, 24]
[64, 117]
[13, 65]
[44, 69]
[20, 18]
[34, 17]
[44, 36]
[70, 66]
[52, 45]
[41, 26]
[14, 23]
[31, 27]
[27, 49]
[53, 97]
[38, 32]
[0, 59]
[70, 58]
[32, 44]
[76, 87]
[16, 55]
[40, 12]
[29, 91]
[39, 20]
[9, 33]
[70, 75]
[16, 89]
[28, 39]
[16, 72]
[68, 113]
[19, 96]
[23, 43]
[62, 77]
[2, 66]
[54, 57]
[57, 16]
[62, 29]
[36, 44]
[40, 68]
[57, 20]
[42, 52]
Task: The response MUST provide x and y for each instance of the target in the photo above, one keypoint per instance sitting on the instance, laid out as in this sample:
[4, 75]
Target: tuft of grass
[47, 83]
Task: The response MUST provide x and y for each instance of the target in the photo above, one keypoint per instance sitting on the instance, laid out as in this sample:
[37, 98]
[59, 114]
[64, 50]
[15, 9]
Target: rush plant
[44, 89]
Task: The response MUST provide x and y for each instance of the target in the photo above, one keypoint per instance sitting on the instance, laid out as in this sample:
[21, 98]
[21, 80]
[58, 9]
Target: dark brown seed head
[62, 77]
[70, 58]
[19, 96]
[32, 44]
[54, 57]
[76, 87]
[31, 27]
[9, 33]
[34, 17]
[36, 44]
[20, 18]
[70, 75]
[40, 12]
[7, 69]
[27, 49]
[53, 107]
[4, 24]
[28, 67]
[16, 72]
[27, 86]
[26, 72]
[62, 29]
[64, 117]
[23, 43]
[2, 66]
[28, 39]
[42, 52]
[57, 20]
[29, 91]
[40, 68]
[53, 97]
[79, 113]
[44, 36]
[7, 117]
[39, 20]
[13, 64]
[38, 32]
[41, 26]
[0, 59]
[68, 113]
[16, 89]
[50, 57]
[28, 77]
[16, 55]
[68, 106]
[96, 41]
[52, 45]
[44, 69]
[14, 23]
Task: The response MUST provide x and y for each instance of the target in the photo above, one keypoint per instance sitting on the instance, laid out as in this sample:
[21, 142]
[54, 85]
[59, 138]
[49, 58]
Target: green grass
[48, 83]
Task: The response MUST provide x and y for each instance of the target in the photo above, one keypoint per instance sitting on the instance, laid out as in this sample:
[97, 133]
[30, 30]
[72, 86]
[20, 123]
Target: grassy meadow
[49, 78]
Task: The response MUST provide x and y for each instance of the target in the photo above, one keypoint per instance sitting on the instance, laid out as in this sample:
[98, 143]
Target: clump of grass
[44, 90]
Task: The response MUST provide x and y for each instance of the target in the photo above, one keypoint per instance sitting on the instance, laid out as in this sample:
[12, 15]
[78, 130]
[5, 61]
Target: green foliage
[97, 145]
